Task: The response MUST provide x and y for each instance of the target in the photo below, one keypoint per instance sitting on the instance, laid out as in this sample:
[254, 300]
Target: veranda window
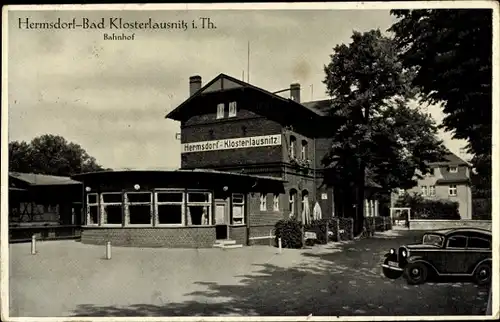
[138, 208]
[238, 209]
[170, 208]
[111, 209]
[92, 209]
[199, 208]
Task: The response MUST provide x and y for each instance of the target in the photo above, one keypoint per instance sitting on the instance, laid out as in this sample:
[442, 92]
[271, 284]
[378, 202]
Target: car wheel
[389, 273]
[482, 275]
[416, 273]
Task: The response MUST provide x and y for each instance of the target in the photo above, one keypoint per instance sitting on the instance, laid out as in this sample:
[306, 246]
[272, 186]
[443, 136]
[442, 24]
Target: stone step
[225, 242]
[231, 246]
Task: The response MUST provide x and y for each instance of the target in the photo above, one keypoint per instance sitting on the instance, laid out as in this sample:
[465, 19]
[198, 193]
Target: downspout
[314, 170]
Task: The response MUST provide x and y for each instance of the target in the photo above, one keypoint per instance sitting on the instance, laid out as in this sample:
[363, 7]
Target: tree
[52, 155]
[379, 131]
[451, 53]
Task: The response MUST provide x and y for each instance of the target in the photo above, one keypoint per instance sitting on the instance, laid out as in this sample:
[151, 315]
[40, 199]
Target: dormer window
[232, 109]
[220, 111]
[453, 169]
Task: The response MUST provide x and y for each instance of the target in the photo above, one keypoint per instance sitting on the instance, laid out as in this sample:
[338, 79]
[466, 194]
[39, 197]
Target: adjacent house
[44, 205]
[448, 179]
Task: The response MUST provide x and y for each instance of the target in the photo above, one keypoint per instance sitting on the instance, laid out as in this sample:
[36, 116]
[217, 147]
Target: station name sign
[228, 144]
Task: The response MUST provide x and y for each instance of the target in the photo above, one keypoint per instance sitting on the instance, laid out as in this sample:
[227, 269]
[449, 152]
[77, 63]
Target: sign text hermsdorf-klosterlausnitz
[235, 143]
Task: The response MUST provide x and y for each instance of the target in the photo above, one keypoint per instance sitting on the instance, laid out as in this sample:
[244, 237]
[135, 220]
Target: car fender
[486, 260]
[420, 259]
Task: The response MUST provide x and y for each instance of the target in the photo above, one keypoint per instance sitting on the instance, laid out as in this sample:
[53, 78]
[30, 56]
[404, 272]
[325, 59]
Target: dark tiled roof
[453, 178]
[42, 179]
[450, 159]
[173, 113]
[322, 105]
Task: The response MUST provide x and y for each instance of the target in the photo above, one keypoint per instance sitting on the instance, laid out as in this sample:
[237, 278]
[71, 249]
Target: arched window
[293, 144]
[303, 151]
[293, 203]
[306, 211]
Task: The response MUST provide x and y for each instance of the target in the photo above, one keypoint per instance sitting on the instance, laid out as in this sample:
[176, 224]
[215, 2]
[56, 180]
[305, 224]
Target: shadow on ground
[332, 280]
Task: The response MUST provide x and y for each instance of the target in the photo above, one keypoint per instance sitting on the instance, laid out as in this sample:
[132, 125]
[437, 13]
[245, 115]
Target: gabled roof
[34, 179]
[321, 105]
[450, 159]
[224, 82]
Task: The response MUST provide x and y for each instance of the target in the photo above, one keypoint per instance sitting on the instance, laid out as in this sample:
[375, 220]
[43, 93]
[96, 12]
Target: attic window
[232, 109]
[453, 169]
[220, 111]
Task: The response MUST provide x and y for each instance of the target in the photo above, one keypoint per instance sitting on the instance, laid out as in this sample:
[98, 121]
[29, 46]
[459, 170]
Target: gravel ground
[67, 278]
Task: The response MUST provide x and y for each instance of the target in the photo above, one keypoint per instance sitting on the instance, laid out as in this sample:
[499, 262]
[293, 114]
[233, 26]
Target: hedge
[429, 209]
[290, 232]
[481, 209]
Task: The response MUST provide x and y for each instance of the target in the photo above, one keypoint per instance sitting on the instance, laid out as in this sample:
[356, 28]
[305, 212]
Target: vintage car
[464, 252]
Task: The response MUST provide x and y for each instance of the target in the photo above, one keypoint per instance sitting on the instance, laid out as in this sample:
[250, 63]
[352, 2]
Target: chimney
[295, 92]
[194, 84]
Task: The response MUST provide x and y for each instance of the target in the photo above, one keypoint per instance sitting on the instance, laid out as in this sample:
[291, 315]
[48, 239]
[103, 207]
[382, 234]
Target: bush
[429, 209]
[333, 227]
[370, 225]
[320, 227]
[481, 209]
[346, 228]
[290, 232]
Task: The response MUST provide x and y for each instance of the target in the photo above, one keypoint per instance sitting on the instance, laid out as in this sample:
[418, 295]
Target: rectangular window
[92, 209]
[138, 208]
[199, 208]
[478, 243]
[457, 242]
[232, 109]
[452, 190]
[238, 209]
[111, 208]
[453, 169]
[276, 202]
[424, 190]
[220, 111]
[169, 208]
[263, 202]
[432, 191]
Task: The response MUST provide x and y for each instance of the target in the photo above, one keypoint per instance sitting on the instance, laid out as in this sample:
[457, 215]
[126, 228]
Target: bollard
[108, 250]
[279, 244]
[33, 245]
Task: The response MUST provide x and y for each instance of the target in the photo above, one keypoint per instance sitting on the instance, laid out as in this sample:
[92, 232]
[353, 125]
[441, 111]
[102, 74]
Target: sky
[111, 96]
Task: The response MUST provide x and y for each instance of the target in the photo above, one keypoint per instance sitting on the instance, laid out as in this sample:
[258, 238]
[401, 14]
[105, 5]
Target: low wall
[174, 237]
[47, 232]
[421, 224]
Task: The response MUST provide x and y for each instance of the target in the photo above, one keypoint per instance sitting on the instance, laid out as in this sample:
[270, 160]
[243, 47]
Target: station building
[249, 158]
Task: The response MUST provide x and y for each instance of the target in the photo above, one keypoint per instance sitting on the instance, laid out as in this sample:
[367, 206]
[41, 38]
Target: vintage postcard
[287, 161]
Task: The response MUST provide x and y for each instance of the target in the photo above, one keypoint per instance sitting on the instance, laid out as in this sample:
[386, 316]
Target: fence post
[326, 230]
[279, 244]
[108, 250]
[33, 245]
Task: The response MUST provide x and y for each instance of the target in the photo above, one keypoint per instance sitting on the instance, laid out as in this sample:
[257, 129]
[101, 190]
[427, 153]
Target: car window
[457, 242]
[475, 242]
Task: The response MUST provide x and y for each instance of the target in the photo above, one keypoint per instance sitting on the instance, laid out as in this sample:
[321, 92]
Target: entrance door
[221, 220]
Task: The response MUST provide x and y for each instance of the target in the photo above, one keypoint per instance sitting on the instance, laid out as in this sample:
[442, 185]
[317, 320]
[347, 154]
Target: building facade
[249, 158]
[230, 125]
[447, 180]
